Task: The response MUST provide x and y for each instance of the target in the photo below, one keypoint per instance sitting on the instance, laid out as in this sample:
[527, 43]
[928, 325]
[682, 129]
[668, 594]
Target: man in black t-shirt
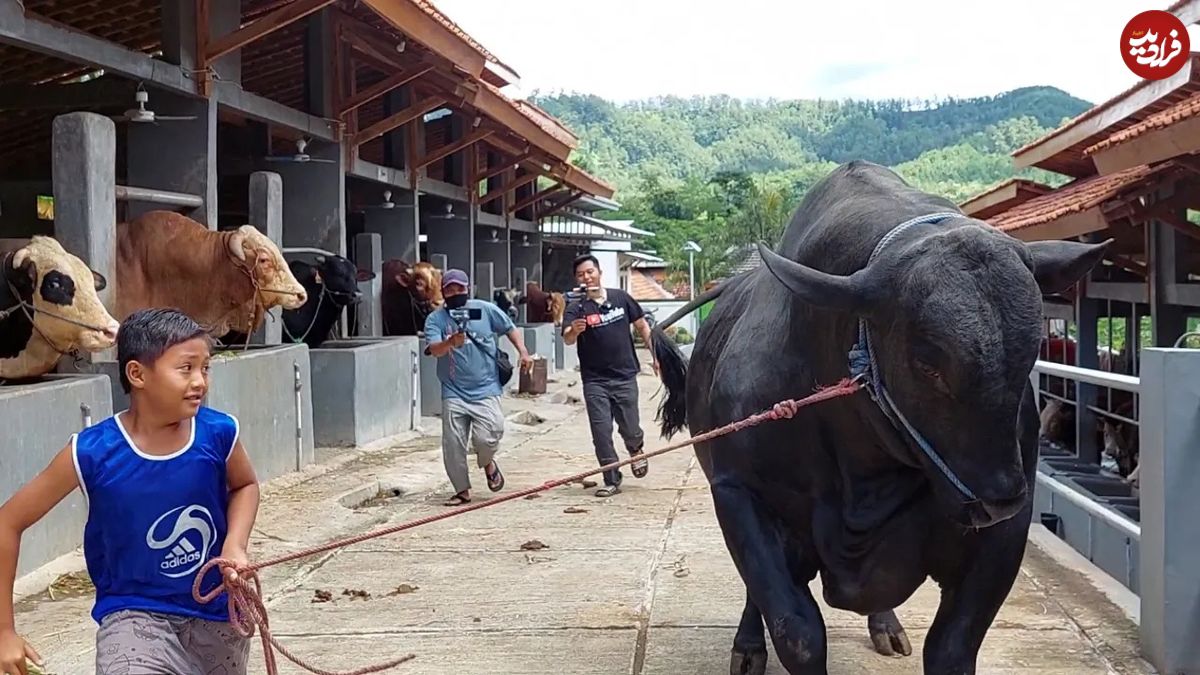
[600, 325]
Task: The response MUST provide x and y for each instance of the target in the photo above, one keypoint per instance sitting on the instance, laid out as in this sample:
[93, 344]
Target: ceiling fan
[448, 215]
[140, 115]
[300, 156]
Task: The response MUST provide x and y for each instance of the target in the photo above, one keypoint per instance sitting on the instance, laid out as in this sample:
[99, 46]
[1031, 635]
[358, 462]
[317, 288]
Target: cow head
[506, 299]
[956, 318]
[557, 306]
[276, 284]
[424, 281]
[62, 289]
[341, 278]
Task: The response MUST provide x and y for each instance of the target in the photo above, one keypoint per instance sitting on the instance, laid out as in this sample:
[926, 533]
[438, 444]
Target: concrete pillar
[449, 237]
[1168, 322]
[266, 215]
[180, 156]
[1170, 499]
[1087, 314]
[368, 255]
[519, 277]
[319, 63]
[84, 156]
[495, 252]
[397, 227]
[484, 281]
[314, 198]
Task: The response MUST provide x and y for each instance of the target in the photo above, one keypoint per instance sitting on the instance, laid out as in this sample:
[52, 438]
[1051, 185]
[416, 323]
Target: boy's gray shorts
[132, 642]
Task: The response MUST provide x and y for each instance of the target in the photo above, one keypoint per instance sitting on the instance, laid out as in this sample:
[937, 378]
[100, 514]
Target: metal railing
[130, 193]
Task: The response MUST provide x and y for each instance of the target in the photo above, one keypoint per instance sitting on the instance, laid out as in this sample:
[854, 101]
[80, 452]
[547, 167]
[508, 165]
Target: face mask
[456, 301]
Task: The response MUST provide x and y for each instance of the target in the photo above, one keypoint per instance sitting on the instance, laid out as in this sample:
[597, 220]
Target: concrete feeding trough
[268, 389]
[540, 340]
[566, 357]
[38, 419]
[364, 390]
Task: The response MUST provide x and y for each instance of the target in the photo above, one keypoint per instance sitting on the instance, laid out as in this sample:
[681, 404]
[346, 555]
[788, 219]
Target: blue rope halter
[863, 366]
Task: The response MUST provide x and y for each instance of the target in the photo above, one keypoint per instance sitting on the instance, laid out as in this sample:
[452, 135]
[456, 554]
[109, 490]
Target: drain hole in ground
[385, 495]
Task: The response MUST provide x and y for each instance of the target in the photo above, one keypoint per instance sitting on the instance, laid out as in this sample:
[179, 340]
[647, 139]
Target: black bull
[954, 311]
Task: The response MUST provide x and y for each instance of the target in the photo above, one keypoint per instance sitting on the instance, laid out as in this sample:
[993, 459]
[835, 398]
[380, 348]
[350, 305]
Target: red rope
[247, 611]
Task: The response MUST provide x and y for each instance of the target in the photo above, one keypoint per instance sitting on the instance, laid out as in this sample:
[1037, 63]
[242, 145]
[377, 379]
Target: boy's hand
[13, 652]
[238, 556]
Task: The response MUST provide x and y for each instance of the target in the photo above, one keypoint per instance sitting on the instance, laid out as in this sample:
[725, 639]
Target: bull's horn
[19, 258]
[815, 287]
[235, 245]
[320, 259]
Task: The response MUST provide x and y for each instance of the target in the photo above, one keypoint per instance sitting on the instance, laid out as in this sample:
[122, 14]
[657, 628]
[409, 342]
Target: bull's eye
[934, 375]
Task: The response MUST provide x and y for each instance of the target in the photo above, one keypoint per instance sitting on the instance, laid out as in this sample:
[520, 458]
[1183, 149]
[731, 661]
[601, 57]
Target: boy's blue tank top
[154, 521]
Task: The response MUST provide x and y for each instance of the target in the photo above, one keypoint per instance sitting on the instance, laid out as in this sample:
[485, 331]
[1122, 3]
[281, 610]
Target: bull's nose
[302, 297]
[1004, 508]
[110, 331]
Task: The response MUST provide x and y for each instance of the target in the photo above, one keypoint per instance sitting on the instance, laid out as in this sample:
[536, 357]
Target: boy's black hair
[586, 257]
[147, 333]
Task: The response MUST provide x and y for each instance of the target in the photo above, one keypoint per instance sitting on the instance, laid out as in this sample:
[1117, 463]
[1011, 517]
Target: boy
[168, 485]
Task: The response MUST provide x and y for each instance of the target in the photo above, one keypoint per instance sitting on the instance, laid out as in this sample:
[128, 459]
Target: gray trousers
[608, 401]
[478, 425]
[132, 642]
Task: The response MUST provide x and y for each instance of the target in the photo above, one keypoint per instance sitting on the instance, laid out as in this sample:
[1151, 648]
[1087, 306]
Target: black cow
[331, 285]
[953, 313]
[504, 298]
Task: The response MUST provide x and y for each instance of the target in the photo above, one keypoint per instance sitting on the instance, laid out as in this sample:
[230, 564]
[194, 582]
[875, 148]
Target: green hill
[725, 171]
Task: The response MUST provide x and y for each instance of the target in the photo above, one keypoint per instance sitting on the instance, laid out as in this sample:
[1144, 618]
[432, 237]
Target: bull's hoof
[888, 635]
[748, 663]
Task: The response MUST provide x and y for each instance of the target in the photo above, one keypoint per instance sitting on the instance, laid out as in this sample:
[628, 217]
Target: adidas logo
[183, 554]
[182, 557]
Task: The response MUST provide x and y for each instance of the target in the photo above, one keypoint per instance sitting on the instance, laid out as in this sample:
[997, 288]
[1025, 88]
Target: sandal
[495, 480]
[608, 490]
[641, 467]
[457, 500]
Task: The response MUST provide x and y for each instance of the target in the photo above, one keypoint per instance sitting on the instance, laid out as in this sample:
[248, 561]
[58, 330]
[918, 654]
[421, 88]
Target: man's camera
[466, 314]
[579, 293]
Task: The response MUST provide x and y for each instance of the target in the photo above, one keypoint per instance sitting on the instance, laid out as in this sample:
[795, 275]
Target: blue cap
[455, 276]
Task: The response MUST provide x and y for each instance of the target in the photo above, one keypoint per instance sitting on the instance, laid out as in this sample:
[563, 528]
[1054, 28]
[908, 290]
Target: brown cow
[48, 307]
[543, 307]
[226, 281]
[409, 294]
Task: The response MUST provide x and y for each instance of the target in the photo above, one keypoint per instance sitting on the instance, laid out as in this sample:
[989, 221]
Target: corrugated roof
[1185, 109]
[1074, 197]
[429, 8]
[643, 287]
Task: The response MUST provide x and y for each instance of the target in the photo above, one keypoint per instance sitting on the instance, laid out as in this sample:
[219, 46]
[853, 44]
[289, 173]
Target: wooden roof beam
[505, 166]
[399, 119]
[498, 192]
[375, 91]
[573, 197]
[284, 16]
[535, 198]
[406, 17]
[457, 146]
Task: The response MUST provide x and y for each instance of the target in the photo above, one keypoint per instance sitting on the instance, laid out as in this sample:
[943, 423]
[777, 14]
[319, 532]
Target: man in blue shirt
[462, 335]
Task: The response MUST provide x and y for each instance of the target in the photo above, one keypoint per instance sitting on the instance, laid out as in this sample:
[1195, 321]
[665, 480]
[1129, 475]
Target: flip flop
[457, 500]
[608, 490]
[495, 480]
[641, 467]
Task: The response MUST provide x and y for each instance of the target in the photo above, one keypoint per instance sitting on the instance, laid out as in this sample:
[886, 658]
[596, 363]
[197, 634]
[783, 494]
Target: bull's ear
[1058, 265]
[817, 288]
[101, 282]
[364, 275]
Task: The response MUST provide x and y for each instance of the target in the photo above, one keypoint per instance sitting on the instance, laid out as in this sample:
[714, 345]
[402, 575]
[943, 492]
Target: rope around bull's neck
[247, 611]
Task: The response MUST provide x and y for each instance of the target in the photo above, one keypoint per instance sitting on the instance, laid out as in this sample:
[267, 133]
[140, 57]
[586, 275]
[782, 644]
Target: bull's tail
[673, 366]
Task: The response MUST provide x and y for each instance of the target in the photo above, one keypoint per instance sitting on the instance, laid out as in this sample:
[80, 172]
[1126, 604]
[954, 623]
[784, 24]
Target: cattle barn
[370, 130]
[1119, 476]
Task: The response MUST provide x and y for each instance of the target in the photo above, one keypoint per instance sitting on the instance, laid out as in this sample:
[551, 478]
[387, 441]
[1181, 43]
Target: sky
[786, 49]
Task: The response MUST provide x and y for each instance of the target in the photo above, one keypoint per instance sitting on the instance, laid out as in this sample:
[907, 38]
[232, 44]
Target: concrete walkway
[566, 583]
